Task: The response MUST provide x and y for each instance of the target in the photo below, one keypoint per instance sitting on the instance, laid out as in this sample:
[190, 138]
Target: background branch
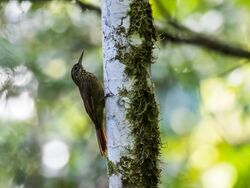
[88, 6]
[180, 34]
[206, 42]
[177, 33]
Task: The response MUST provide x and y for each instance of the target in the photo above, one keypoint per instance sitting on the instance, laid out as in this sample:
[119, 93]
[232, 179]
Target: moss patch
[112, 168]
[142, 169]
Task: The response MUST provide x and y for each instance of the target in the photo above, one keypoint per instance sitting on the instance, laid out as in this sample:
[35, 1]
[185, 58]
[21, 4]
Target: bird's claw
[109, 95]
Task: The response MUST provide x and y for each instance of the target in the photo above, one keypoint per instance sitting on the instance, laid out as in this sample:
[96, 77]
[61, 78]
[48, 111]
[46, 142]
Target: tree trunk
[131, 110]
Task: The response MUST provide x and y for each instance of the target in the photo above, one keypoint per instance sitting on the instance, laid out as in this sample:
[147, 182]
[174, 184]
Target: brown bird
[92, 94]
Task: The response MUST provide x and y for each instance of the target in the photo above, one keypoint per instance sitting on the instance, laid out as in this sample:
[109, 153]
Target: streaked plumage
[92, 94]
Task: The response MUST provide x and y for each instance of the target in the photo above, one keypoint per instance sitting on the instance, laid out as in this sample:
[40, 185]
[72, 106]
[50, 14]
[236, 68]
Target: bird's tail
[102, 140]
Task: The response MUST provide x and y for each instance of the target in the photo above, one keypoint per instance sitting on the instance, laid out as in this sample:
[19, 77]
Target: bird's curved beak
[80, 59]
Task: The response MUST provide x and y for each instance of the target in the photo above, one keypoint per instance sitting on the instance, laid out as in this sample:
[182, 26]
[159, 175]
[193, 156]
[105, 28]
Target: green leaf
[244, 3]
[169, 6]
[185, 7]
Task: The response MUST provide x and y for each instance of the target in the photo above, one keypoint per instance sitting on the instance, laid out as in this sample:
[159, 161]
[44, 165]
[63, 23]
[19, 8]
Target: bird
[92, 94]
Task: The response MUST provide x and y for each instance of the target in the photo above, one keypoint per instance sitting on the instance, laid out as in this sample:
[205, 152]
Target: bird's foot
[109, 95]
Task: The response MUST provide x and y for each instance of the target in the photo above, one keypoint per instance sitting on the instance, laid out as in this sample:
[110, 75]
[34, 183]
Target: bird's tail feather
[102, 140]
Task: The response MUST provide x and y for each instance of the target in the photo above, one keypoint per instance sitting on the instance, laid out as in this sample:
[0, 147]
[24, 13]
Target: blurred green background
[46, 139]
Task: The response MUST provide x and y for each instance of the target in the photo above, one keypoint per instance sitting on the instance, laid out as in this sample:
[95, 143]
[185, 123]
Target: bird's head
[76, 71]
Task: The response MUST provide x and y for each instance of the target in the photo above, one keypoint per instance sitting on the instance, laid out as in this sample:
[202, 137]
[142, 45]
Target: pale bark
[113, 13]
[131, 109]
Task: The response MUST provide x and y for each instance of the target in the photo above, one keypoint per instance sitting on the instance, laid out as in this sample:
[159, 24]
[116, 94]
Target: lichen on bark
[141, 167]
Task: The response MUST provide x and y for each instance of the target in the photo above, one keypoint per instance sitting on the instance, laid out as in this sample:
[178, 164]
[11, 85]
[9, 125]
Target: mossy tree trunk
[131, 109]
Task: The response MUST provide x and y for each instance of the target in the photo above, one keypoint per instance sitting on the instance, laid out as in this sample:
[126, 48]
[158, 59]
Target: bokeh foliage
[203, 96]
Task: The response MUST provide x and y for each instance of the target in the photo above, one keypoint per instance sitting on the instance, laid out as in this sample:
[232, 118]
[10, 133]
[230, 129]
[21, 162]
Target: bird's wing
[89, 104]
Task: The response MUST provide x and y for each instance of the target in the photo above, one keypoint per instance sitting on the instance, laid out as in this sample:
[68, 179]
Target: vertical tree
[131, 109]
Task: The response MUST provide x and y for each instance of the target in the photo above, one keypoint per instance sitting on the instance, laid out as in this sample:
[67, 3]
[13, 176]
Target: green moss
[141, 169]
[112, 168]
[125, 168]
[123, 92]
[141, 20]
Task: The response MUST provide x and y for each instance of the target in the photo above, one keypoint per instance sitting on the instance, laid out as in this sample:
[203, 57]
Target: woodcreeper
[92, 94]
